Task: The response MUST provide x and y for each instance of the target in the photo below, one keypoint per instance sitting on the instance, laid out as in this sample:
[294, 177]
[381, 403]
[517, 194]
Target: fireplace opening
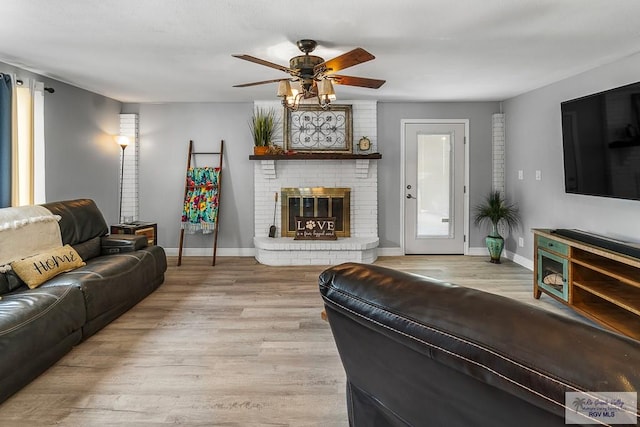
[316, 202]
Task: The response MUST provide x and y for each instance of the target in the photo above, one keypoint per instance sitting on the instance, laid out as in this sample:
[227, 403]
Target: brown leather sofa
[420, 352]
[38, 326]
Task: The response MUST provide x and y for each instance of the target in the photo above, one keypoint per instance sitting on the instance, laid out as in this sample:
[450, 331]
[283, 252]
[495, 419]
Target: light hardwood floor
[239, 344]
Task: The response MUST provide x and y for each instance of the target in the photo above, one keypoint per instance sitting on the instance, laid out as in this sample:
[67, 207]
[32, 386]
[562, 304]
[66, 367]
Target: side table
[149, 229]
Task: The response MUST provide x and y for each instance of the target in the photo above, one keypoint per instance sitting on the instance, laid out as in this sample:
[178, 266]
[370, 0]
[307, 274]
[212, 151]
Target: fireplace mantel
[268, 162]
[317, 156]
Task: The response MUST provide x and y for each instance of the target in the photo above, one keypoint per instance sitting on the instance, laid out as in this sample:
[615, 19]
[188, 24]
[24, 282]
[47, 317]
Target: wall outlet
[520, 174]
[538, 175]
[521, 242]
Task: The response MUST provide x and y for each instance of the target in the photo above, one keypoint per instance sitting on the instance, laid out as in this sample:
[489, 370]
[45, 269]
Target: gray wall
[165, 131]
[389, 136]
[534, 142]
[82, 158]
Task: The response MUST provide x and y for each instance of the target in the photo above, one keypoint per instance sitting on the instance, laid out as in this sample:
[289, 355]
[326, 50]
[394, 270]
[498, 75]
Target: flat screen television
[601, 143]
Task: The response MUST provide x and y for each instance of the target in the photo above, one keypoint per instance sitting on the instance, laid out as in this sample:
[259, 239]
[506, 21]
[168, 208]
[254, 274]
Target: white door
[434, 187]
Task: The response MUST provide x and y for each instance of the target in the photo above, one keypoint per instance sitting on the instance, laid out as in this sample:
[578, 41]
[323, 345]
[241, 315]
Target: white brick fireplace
[270, 176]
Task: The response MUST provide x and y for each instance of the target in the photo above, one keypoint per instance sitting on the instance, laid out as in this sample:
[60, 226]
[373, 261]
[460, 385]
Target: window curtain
[22, 183]
[39, 193]
[5, 140]
[22, 176]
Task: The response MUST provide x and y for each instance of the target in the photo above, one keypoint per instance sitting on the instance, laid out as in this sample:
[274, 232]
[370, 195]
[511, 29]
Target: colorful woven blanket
[200, 210]
[26, 231]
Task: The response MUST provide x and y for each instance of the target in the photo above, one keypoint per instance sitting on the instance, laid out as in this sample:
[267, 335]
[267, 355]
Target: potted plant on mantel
[263, 126]
[497, 211]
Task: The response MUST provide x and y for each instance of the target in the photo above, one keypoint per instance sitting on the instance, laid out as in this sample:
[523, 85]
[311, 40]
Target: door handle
[409, 196]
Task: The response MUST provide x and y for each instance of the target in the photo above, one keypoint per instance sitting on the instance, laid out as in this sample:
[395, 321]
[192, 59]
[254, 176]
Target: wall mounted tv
[601, 143]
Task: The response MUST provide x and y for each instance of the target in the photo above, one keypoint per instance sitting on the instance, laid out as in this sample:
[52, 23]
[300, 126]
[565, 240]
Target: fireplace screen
[318, 202]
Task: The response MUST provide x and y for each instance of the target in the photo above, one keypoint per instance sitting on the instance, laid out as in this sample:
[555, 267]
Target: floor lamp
[123, 142]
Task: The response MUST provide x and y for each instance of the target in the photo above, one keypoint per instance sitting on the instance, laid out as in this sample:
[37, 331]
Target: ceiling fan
[314, 74]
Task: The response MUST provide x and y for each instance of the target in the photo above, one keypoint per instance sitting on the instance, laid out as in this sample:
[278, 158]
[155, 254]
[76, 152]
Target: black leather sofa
[420, 352]
[38, 326]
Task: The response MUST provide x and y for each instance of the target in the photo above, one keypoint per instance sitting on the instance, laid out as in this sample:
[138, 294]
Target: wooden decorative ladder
[193, 154]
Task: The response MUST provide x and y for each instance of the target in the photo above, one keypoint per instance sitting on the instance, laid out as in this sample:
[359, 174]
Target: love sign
[315, 228]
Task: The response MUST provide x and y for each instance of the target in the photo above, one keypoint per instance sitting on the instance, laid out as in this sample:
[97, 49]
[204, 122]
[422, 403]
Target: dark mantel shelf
[317, 156]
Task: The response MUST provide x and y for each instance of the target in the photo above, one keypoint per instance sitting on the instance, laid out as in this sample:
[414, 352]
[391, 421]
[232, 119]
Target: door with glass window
[434, 188]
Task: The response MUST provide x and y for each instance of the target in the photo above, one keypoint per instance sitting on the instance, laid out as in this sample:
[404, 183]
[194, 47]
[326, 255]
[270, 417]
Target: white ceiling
[429, 50]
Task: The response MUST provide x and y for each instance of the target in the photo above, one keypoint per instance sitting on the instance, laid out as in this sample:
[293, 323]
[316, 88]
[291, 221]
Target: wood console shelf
[598, 283]
[317, 156]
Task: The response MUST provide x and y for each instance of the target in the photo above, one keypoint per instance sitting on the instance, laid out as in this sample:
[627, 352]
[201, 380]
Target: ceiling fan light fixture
[290, 95]
[325, 89]
[326, 94]
[284, 89]
[296, 88]
[292, 102]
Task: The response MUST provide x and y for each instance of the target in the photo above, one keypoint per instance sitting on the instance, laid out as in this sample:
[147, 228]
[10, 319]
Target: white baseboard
[479, 251]
[390, 251]
[249, 252]
[518, 259]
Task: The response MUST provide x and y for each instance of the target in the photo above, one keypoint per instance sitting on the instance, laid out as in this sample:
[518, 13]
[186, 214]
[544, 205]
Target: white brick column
[498, 147]
[129, 128]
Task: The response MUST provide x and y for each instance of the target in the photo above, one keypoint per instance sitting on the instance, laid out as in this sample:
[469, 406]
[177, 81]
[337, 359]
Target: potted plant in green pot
[495, 210]
[263, 126]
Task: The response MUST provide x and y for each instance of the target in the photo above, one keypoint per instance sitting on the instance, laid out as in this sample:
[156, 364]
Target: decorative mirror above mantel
[311, 129]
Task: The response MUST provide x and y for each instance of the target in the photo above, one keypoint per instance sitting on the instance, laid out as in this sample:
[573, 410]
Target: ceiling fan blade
[357, 81]
[262, 62]
[260, 83]
[346, 60]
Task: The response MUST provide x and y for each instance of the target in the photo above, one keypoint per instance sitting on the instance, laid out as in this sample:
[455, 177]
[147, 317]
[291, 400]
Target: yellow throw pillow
[37, 269]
